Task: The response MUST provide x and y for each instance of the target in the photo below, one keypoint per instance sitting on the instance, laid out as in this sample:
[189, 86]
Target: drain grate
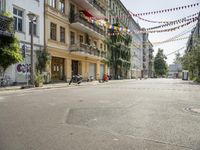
[193, 110]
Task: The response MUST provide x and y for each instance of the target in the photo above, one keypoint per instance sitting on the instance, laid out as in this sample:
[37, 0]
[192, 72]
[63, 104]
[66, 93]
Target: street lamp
[32, 18]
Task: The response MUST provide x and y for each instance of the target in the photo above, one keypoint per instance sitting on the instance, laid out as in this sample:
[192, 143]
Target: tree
[177, 59]
[43, 58]
[160, 64]
[191, 61]
[9, 52]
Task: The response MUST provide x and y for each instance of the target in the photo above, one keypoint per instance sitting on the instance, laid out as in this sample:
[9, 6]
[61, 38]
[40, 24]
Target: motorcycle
[76, 79]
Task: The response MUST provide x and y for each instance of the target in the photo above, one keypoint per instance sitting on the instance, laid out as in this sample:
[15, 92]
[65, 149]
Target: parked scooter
[90, 79]
[76, 79]
[105, 78]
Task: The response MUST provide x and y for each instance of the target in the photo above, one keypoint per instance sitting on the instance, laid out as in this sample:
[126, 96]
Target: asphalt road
[153, 114]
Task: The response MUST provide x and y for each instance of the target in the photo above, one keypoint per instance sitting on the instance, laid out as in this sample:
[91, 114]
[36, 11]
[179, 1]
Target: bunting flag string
[178, 20]
[117, 29]
[174, 28]
[134, 44]
[167, 41]
[148, 13]
[172, 23]
[167, 10]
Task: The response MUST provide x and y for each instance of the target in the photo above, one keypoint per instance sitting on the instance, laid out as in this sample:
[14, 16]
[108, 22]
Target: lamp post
[32, 17]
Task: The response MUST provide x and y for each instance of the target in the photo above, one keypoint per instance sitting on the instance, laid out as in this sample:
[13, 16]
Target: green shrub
[39, 78]
[197, 79]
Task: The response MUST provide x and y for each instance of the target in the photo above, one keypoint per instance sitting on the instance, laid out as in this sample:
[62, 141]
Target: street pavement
[152, 114]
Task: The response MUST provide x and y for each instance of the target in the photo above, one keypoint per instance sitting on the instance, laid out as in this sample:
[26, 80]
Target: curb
[47, 86]
[61, 85]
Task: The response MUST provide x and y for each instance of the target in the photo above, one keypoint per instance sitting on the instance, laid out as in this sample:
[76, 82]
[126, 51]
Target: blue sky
[140, 6]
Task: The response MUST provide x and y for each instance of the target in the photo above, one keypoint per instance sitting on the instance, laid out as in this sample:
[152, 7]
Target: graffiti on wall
[23, 68]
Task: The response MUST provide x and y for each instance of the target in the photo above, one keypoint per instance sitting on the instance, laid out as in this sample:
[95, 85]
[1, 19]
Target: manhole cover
[193, 110]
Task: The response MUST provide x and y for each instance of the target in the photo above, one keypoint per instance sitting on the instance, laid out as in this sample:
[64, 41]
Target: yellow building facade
[74, 41]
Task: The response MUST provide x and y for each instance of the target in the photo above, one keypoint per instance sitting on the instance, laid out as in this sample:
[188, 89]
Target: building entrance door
[57, 68]
[74, 67]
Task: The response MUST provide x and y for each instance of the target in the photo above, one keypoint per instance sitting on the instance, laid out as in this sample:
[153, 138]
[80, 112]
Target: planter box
[40, 84]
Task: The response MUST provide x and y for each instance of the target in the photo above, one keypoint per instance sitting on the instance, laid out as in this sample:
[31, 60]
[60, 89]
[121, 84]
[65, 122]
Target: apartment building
[136, 50]
[151, 61]
[19, 9]
[147, 57]
[145, 70]
[75, 39]
[117, 13]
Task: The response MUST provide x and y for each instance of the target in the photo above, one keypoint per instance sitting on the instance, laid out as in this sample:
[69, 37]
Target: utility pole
[32, 17]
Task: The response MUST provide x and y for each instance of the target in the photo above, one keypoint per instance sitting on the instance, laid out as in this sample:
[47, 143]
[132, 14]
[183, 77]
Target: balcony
[80, 23]
[6, 26]
[98, 6]
[144, 66]
[87, 50]
[49, 10]
[144, 59]
[96, 9]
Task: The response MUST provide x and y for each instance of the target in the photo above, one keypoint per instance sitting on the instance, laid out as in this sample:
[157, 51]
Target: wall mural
[23, 68]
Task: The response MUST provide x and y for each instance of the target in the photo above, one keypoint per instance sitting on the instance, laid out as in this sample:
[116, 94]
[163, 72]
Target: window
[2, 5]
[81, 39]
[104, 47]
[101, 46]
[113, 20]
[34, 27]
[62, 6]
[113, 7]
[18, 19]
[95, 43]
[62, 34]
[52, 3]
[116, 9]
[72, 38]
[53, 31]
[110, 3]
[109, 18]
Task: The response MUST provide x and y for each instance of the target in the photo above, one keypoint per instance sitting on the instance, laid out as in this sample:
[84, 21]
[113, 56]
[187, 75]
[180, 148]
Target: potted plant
[39, 79]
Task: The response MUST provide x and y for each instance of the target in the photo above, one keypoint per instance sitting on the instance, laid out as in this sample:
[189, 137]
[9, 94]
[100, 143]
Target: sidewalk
[47, 86]
[58, 85]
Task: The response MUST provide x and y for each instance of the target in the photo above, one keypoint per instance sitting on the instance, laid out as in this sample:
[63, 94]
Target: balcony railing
[84, 21]
[88, 50]
[98, 6]
[6, 26]
[144, 59]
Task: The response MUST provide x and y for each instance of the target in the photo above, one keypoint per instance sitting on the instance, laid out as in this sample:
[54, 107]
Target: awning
[87, 14]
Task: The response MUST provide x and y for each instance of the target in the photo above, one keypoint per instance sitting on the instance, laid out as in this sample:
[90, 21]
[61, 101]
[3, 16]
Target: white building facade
[19, 73]
[136, 50]
[145, 71]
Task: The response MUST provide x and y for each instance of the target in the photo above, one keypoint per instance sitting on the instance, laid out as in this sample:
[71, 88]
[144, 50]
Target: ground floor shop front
[65, 64]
